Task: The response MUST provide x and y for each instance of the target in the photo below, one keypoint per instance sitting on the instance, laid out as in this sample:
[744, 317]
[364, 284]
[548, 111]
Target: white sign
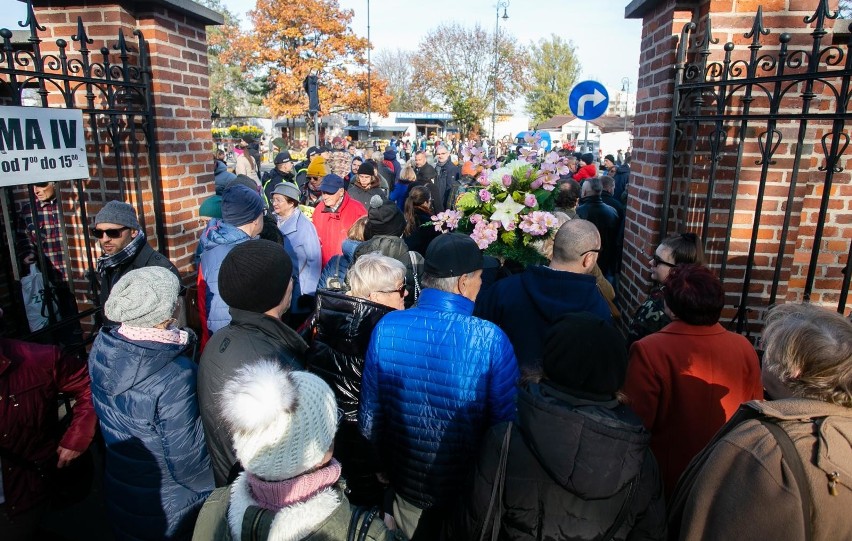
[41, 144]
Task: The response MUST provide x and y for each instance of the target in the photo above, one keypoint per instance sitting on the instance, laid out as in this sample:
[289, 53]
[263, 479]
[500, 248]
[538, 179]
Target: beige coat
[745, 491]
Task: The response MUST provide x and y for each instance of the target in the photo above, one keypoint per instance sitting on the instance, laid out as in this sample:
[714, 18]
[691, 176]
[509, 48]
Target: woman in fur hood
[283, 424]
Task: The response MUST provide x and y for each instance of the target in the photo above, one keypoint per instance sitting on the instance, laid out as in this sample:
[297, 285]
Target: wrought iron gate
[756, 162]
[112, 86]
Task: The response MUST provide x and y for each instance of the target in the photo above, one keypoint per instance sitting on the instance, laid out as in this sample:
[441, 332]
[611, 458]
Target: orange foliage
[291, 40]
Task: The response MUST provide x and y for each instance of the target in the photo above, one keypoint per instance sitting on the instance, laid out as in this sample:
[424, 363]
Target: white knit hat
[283, 422]
[143, 297]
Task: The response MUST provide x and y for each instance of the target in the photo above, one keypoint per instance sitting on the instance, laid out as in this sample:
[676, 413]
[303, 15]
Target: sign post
[588, 100]
[41, 144]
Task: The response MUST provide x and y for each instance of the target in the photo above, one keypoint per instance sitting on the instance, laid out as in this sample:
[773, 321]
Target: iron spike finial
[822, 13]
[757, 29]
[81, 35]
[707, 39]
[31, 21]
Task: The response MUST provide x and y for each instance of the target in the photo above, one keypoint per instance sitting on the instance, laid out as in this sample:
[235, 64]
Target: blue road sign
[588, 100]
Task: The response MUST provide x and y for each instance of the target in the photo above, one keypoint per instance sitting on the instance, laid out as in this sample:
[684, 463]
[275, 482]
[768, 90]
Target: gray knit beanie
[116, 212]
[143, 297]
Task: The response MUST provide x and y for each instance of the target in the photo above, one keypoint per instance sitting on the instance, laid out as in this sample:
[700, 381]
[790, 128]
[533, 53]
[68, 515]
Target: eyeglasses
[111, 233]
[656, 261]
[596, 251]
[401, 291]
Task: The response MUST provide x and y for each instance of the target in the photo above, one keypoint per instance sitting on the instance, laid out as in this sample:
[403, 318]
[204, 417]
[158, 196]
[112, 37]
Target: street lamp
[625, 87]
[500, 4]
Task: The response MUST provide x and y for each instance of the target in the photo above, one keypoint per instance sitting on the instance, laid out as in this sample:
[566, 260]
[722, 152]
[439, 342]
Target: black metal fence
[756, 162]
[111, 84]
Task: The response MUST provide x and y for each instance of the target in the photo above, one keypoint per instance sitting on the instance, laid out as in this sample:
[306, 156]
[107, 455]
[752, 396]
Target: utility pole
[501, 4]
[369, 78]
[625, 87]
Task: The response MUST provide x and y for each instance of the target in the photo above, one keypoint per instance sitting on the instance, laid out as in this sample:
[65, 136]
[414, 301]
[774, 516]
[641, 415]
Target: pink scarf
[275, 495]
[163, 336]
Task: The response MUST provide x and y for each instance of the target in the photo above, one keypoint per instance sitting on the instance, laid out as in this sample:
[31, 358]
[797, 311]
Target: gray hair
[374, 272]
[447, 284]
[575, 238]
[595, 185]
[810, 350]
[608, 183]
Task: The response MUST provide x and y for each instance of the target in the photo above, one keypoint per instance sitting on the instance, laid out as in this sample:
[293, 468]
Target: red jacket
[332, 227]
[31, 375]
[587, 171]
[685, 382]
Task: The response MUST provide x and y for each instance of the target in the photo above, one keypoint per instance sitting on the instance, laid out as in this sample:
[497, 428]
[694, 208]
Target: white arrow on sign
[596, 98]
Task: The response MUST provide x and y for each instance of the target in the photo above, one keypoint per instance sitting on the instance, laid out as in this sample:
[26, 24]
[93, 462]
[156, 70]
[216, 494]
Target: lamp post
[625, 87]
[500, 4]
[369, 74]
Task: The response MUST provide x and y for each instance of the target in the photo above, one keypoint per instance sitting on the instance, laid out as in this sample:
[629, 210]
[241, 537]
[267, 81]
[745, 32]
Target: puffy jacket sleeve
[179, 426]
[72, 377]
[503, 381]
[309, 274]
[369, 412]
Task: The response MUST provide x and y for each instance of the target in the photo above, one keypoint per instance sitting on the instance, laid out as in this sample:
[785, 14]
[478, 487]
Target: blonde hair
[408, 173]
[810, 350]
[374, 272]
[356, 231]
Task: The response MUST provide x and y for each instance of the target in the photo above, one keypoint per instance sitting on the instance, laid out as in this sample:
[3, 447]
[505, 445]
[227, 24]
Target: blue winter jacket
[157, 473]
[217, 239]
[302, 245]
[222, 176]
[525, 305]
[339, 264]
[435, 379]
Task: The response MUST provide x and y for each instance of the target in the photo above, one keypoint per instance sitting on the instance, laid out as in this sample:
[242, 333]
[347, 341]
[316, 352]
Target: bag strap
[366, 522]
[497, 491]
[413, 259]
[794, 460]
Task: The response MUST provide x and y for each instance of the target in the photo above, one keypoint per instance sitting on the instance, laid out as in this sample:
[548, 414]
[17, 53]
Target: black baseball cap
[455, 254]
[283, 157]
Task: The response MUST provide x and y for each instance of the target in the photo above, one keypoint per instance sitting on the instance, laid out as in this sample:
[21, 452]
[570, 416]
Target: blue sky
[607, 44]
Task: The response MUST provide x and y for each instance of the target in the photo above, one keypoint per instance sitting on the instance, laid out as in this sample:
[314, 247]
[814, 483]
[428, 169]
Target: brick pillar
[175, 33]
[662, 25]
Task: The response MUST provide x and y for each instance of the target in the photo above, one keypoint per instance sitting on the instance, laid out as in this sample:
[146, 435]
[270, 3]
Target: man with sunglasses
[45, 231]
[525, 305]
[124, 246]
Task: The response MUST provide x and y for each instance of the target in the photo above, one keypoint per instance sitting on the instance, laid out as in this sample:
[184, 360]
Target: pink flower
[507, 180]
[484, 234]
[448, 219]
[530, 200]
[538, 223]
[484, 195]
[483, 179]
[476, 218]
[510, 226]
[536, 184]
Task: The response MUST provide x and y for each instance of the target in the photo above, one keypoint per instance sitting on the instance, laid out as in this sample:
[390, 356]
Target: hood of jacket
[553, 293]
[218, 233]
[622, 169]
[221, 167]
[389, 155]
[592, 449]
[118, 364]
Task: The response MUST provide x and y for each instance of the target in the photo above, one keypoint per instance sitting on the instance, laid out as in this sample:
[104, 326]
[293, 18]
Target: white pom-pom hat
[282, 422]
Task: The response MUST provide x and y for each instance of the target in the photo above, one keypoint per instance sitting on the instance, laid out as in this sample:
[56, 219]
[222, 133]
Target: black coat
[422, 235]
[605, 218]
[248, 337]
[569, 468]
[339, 332]
[447, 182]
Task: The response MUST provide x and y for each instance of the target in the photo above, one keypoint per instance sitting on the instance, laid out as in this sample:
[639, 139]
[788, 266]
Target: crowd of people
[359, 375]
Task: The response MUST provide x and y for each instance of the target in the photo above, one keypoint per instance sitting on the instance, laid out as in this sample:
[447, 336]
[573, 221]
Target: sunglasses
[401, 291]
[656, 262]
[111, 233]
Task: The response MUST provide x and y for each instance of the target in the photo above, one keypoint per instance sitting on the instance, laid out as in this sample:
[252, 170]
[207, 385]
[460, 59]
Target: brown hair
[810, 350]
[416, 197]
[356, 231]
[686, 248]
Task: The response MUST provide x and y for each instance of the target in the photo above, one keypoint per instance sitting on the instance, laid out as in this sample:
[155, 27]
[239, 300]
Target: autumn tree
[231, 94]
[457, 67]
[290, 40]
[395, 67]
[553, 68]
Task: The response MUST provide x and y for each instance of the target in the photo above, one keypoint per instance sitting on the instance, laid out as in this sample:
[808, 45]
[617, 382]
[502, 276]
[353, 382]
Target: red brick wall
[732, 19]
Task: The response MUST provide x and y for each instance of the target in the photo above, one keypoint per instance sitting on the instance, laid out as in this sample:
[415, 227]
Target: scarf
[171, 335]
[128, 252]
[275, 495]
